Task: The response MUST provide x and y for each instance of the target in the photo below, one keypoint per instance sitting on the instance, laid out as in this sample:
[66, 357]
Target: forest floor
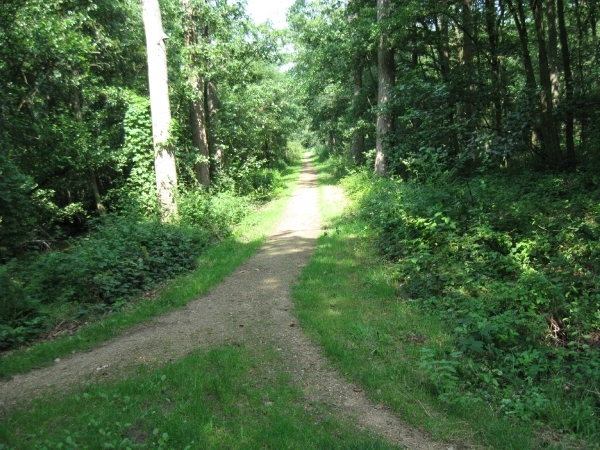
[250, 308]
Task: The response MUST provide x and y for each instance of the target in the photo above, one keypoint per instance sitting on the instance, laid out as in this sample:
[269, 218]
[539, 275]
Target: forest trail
[251, 307]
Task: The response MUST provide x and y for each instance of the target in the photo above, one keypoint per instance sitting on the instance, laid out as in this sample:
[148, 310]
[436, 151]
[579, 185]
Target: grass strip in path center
[226, 398]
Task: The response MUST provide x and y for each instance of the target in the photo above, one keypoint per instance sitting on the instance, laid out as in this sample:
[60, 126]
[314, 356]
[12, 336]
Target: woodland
[466, 133]
[83, 229]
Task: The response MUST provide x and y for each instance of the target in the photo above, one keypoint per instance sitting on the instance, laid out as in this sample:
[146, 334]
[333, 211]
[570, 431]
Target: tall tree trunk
[550, 139]
[211, 97]
[518, 14]
[332, 145]
[553, 52]
[357, 147]
[593, 25]
[96, 191]
[566, 58]
[468, 56]
[199, 136]
[386, 80]
[91, 172]
[494, 40]
[443, 47]
[164, 157]
[443, 50]
[197, 109]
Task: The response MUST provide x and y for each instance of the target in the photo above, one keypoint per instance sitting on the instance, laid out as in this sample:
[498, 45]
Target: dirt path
[252, 306]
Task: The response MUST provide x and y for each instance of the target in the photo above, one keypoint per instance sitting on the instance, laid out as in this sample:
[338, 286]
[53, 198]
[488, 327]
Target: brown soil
[251, 307]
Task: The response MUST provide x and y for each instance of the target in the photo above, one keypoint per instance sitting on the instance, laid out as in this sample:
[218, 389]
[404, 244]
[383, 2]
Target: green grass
[346, 300]
[213, 265]
[226, 398]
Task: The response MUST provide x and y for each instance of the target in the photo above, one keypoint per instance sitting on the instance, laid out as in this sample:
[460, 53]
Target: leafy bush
[17, 219]
[217, 213]
[511, 263]
[122, 257]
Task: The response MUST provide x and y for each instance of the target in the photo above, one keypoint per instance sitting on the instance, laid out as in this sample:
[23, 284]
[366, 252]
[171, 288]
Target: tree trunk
[91, 172]
[468, 53]
[211, 97]
[332, 146]
[197, 109]
[566, 58]
[357, 146]
[358, 136]
[493, 38]
[96, 191]
[593, 25]
[550, 139]
[443, 49]
[553, 52]
[518, 14]
[164, 157]
[386, 79]
[199, 136]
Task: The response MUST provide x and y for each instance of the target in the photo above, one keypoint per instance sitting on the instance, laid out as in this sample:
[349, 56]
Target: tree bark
[96, 191]
[467, 60]
[518, 14]
[566, 58]
[164, 157]
[357, 146]
[358, 136]
[493, 38]
[550, 139]
[332, 145]
[443, 50]
[553, 52]
[443, 47]
[199, 137]
[197, 108]
[386, 80]
[211, 97]
[91, 172]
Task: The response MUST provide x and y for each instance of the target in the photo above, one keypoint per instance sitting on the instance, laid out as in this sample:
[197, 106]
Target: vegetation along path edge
[251, 307]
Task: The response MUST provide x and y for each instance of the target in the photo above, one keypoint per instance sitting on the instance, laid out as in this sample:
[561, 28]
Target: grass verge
[225, 398]
[212, 266]
[347, 301]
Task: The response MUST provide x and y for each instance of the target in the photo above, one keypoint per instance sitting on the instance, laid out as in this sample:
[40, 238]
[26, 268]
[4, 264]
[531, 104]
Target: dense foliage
[75, 127]
[79, 228]
[489, 214]
[513, 272]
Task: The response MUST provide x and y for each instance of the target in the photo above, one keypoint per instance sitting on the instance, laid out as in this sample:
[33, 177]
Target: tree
[164, 157]
[386, 76]
[198, 114]
[550, 139]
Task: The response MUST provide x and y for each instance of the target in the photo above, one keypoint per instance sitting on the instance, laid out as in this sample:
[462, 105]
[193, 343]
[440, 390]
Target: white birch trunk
[164, 157]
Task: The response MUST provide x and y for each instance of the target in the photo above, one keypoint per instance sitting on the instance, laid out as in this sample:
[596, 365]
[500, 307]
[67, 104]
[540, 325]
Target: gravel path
[251, 307]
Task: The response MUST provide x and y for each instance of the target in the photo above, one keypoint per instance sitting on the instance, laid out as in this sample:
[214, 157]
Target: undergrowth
[510, 264]
[122, 256]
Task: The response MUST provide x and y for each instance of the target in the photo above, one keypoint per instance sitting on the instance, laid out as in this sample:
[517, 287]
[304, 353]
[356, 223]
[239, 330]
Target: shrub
[122, 257]
[216, 213]
[511, 263]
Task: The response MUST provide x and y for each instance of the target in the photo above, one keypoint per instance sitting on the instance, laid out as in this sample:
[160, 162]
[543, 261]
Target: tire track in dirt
[251, 307]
